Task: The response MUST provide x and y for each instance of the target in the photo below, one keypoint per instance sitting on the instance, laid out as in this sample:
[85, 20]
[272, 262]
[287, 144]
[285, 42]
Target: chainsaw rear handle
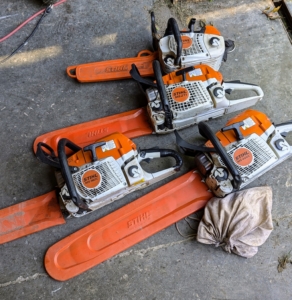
[284, 128]
[242, 86]
[162, 93]
[65, 169]
[206, 132]
[156, 153]
[172, 29]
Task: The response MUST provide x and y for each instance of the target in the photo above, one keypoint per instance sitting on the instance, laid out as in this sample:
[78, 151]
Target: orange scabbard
[133, 123]
[127, 226]
[29, 217]
[113, 69]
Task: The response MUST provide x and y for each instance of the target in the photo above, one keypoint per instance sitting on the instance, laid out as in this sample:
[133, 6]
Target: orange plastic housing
[113, 69]
[30, 216]
[122, 143]
[209, 29]
[126, 226]
[262, 123]
[207, 73]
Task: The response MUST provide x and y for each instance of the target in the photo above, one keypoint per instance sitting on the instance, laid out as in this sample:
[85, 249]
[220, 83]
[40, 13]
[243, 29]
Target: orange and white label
[91, 179]
[186, 41]
[243, 157]
[180, 94]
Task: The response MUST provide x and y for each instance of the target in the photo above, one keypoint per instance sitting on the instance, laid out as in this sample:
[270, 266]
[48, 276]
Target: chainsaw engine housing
[253, 144]
[106, 171]
[192, 95]
[197, 48]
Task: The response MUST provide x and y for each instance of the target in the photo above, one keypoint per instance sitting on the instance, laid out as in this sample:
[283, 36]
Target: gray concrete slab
[37, 97]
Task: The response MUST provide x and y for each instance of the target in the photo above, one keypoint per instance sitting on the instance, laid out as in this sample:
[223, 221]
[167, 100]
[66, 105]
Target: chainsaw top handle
[206, 132]
[162, 94]
[172, 29]
[65, 169]
[145, 154]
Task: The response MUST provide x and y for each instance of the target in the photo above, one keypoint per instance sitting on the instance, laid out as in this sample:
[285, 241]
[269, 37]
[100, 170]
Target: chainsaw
[207, 46]
[88, 179]
[191, 95]
[180, 49]
[248, 146]
[176, 100]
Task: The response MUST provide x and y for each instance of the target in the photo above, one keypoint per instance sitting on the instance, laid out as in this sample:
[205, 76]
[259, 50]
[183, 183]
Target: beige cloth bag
[239, 222]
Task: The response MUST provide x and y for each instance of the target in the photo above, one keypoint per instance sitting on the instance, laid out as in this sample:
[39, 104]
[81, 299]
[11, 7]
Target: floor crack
[21, 279]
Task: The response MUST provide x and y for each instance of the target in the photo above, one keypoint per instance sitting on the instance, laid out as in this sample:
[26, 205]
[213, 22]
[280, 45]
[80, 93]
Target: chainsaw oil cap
[91, 179]
[186, 41]
[180, 94]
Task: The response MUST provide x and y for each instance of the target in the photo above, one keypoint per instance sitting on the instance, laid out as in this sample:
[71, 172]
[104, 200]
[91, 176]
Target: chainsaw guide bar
[113, 69]
[126, 226]
[30, 216]
[133, 123]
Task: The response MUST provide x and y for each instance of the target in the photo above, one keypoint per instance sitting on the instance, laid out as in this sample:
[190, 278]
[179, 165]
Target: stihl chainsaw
[90, 178]
[247, 147]
[180, 49]
[243, 150]
[175, 101]
[176, 50]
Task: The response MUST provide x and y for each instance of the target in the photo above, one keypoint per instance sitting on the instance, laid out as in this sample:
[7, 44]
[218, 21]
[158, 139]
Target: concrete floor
[37, 97]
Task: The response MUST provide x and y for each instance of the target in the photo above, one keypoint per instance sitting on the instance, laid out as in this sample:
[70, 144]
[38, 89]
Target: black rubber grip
[206, 131]
[172, 29]
[191, 24]
[190, 149]
[162, 92]
[47, 158]
[134, 72]
[166, 153]
[62, 144]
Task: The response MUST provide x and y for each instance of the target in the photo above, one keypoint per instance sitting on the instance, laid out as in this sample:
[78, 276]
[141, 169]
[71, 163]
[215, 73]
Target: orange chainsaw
[176, 100]
[176, 49]
[248, 146]
[90, 178]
